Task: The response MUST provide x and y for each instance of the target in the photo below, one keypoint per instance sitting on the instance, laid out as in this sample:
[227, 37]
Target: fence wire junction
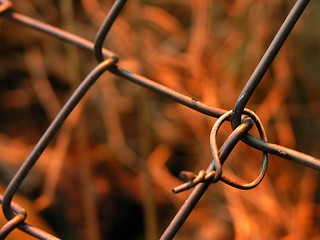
[241, 118]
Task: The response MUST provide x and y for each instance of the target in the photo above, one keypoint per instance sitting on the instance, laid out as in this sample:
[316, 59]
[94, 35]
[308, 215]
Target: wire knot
[193, 179]
[214, 171]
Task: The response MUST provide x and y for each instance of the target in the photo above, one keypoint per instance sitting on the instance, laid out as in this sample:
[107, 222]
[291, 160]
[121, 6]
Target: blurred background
[109, 171]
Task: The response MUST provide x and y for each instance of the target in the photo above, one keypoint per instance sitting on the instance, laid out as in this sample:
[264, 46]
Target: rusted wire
[108, 61]
[11, 225]
[56, 32]
[48, 136]
[105, 27]
[14, 222]
[202, 186]
[214, 149]
[187, 101]
[215, 174]
[18, 221]
[267, 59]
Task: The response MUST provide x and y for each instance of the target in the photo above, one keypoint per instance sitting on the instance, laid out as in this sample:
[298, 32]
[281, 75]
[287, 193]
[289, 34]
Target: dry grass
[109, 172]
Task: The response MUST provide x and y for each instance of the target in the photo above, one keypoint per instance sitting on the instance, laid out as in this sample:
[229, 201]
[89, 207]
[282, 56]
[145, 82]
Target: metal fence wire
[241, 118]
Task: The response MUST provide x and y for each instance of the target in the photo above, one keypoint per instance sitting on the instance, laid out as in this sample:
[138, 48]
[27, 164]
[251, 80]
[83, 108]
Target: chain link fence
[241, 118]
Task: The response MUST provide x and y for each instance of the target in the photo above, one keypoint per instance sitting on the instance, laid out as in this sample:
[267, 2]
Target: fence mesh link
[111, 65]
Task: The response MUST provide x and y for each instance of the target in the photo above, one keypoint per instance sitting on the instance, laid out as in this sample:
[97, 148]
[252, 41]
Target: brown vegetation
[109, 172]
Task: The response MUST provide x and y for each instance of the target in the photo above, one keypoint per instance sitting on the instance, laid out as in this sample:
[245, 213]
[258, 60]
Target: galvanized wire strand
[105, 27]
[216, 174]
[190, 102]
[14, 222]
[57, 32]
[169, 93]
[11, 225]
[283, 152]
[201, 107]
[49, 134]
[18, 222]
[36, 232]
[200, 189]
[266, 60]
[187, 101]
[204, 178]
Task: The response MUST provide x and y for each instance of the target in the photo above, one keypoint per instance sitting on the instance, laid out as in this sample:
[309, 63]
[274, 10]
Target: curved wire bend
[46, 138]
[18, 219]
[105, 27]
[214, 172]
[251, 116]
[152, 85]
[201, 188]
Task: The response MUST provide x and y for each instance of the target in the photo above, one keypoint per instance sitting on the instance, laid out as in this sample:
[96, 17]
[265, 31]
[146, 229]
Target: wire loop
[213, 143]
[215, 173]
